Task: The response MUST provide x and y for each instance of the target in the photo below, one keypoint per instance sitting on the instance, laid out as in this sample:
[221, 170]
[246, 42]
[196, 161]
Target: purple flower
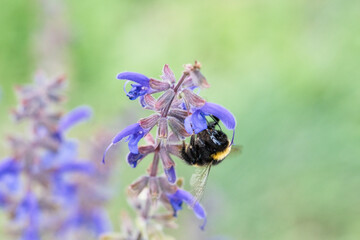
[196, 122]
[133, 159]
[2, 199]
[9, 166]
[176, 200]
[28, 211]
[170, 174]
[73, 117]
[95, 219]
[67, 152]
[134, 133]
[70, 119]
[9, 175]
[139, 88]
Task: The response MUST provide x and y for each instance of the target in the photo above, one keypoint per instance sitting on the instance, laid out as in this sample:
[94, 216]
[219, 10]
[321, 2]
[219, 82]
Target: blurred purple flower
[176, 200]
[95, 219]
[67, 152]
[28, 211]
[75, 116]
[9, 175]
[9, 166]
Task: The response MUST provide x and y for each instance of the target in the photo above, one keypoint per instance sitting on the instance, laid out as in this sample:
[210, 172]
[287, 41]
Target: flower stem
[155, 163]
[181, 80]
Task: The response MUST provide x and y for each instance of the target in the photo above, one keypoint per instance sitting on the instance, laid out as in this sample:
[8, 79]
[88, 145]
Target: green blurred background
[288, 70]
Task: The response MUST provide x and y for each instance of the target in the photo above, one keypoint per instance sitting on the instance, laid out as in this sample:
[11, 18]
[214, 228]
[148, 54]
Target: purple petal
[67, 152]
[198, 121]
[135, 77]
[182, 195]
[28, 208]
[75, 167]
[168, 74]
[3, 199]
[106, 150]
[9, 166]
[136, 91]
[170, 174]
[134, 141]
[133, 159]
[129, 130]
[31, 233]
[187, 125]
[142, 101]
[101, 222]
[220, 112]
[135, 131]
[73, 117]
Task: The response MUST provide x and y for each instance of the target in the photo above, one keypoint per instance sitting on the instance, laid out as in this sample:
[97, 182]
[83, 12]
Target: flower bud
[168, 75]
[171, 174]
[165, 158]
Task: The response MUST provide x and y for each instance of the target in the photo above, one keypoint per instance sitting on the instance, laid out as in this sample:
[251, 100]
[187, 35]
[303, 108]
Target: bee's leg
[192, 150]
[185, 154]
[216, 121]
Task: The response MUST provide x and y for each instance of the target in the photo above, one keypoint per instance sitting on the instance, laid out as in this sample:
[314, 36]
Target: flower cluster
[178, 113]
[38, 182]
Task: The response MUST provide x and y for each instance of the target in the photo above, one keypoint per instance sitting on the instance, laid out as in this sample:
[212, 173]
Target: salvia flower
[134, 133]
[176, 200]
[38, 182]
[196, 122]
[178, 112]
[140, 87]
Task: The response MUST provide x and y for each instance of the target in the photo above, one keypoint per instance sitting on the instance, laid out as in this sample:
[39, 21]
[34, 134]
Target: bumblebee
[207, 148]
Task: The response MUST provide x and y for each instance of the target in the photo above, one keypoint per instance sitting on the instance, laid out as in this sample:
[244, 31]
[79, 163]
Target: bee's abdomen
[195, 156]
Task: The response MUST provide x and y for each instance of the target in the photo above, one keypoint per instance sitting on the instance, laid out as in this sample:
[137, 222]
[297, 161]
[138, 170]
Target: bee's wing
[236, 149]
[198, 182]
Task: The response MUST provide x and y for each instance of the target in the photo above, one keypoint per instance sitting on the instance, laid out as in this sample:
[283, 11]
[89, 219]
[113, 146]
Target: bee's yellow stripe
[221, 155]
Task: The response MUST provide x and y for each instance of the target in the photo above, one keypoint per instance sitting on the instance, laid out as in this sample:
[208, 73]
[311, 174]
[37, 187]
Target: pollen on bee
[221, 155]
